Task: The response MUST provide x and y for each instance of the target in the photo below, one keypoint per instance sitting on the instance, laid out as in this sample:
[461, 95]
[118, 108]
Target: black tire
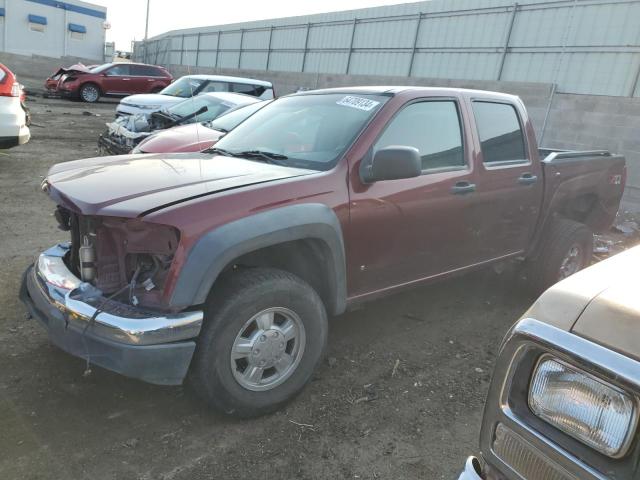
[561, 237]
[89, 92]
[239, 296]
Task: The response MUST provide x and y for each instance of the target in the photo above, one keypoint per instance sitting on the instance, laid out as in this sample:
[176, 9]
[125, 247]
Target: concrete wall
[32, 70]
[55, 40]
[580, 122]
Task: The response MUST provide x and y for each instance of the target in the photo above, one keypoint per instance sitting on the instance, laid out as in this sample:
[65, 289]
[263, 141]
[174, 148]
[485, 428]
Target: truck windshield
[308, 131]
[184, 87]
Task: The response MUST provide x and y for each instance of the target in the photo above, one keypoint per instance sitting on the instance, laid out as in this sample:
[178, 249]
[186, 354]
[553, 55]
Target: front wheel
[264, 334]
[567, 248]
[89, 93]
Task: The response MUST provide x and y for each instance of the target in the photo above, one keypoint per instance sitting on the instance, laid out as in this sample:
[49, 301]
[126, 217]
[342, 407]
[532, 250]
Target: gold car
[564, 398]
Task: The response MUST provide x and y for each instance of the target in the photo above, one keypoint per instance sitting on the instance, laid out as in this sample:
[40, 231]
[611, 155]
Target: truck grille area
[113, 253]
[525, 459]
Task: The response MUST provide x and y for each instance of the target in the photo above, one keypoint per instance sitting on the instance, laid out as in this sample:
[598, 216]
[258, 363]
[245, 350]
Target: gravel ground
[399, 396]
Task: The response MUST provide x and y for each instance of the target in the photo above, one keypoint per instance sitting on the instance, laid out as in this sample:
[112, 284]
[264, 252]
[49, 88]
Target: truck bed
[591, 181]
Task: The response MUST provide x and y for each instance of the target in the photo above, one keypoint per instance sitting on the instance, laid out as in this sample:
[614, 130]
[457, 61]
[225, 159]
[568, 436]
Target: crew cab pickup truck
[564, 399]
[226, 264]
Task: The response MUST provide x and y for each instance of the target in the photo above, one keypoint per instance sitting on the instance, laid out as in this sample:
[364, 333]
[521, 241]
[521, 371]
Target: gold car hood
[601, 303]
[612, 319]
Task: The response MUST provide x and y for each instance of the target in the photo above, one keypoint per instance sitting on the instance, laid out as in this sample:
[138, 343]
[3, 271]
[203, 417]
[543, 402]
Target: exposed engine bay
[125, 257]
[123, 134]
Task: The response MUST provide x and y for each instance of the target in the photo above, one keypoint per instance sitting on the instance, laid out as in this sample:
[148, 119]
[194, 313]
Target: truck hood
[132, 185]
[144, 99]
[184, 138]
[612, 318]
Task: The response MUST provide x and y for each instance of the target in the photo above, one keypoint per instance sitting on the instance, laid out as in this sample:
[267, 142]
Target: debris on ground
[87, 113]
[628, 228]
[395, 368]
[624, 234]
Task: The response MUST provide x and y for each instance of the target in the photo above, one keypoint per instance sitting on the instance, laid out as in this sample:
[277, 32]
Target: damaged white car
[123, 134]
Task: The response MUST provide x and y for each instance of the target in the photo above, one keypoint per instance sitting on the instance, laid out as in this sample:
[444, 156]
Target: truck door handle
[461, 188]
[527, 179]
[126, 79]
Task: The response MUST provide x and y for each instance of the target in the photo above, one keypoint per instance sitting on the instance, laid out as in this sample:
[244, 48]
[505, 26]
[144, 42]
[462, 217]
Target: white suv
[13, 116]
[190, 86]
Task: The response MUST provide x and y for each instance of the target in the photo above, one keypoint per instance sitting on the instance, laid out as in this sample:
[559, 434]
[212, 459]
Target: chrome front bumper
[115, 322]
[156, 348]
[471, 470]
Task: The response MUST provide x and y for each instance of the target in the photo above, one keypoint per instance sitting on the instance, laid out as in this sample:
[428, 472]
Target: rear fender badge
[615, 179]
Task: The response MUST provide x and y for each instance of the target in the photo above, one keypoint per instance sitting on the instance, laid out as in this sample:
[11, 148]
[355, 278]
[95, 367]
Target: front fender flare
[219, 247]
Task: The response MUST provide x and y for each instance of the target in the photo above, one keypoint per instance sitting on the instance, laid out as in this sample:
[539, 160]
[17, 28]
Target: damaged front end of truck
[100, 296]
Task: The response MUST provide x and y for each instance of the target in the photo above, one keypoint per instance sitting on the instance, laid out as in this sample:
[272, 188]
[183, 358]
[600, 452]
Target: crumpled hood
[193, 137]
[612, 318]
[130, 185]
[75, 68]
[144, 99]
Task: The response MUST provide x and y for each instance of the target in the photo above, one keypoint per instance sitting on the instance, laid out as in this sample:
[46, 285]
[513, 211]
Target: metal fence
[583, 46]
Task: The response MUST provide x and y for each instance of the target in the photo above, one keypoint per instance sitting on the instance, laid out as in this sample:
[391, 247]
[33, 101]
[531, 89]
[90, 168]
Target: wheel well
[587, 209]
[309, 259]
[91, 83]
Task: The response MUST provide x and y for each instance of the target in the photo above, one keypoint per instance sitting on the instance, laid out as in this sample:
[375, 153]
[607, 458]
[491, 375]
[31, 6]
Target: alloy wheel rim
[571, 262]
[268, 349]
[90, 94]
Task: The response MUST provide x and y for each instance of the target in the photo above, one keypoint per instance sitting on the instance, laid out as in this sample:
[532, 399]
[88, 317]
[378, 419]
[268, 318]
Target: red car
[110, 79]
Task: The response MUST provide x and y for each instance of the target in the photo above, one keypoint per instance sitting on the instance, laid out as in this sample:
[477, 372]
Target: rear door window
[501, 137]
[215, 87]
[254, 90]
[119, 71]
[433, 127]
[145, 71]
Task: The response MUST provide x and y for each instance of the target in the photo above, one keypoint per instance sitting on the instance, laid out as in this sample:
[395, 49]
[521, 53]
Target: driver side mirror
[393, 163]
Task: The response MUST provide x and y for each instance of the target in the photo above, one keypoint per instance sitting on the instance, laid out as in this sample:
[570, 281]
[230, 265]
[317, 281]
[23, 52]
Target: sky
[127, 17]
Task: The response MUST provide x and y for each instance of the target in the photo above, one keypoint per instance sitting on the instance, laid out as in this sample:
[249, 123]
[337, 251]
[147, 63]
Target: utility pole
[146, 32]
[146, 25]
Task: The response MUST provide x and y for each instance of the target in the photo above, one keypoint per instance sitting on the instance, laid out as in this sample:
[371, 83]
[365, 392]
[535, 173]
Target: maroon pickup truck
[224, 265]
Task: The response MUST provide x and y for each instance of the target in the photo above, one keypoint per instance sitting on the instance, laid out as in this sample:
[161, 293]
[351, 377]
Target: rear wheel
[265, 332]
[566, 249]
[90, 93]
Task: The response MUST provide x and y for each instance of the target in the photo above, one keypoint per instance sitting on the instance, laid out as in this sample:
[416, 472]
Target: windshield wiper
[221, 151]
[267, 157]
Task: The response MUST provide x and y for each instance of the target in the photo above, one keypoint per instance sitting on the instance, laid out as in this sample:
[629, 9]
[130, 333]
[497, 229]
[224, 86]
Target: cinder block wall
[32, 70]
[591, 121]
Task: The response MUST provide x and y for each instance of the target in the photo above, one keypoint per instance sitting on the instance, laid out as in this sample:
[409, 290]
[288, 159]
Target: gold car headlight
[583, 406]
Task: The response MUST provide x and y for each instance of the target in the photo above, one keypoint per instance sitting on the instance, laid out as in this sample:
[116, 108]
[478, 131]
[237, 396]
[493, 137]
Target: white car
[189, 86]
[128, 130]
[13, 116]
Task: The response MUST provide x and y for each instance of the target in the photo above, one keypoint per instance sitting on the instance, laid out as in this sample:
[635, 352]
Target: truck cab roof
[396, 90]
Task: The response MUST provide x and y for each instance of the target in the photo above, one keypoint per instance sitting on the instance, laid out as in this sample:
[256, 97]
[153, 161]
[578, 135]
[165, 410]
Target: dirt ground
[400, 394]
